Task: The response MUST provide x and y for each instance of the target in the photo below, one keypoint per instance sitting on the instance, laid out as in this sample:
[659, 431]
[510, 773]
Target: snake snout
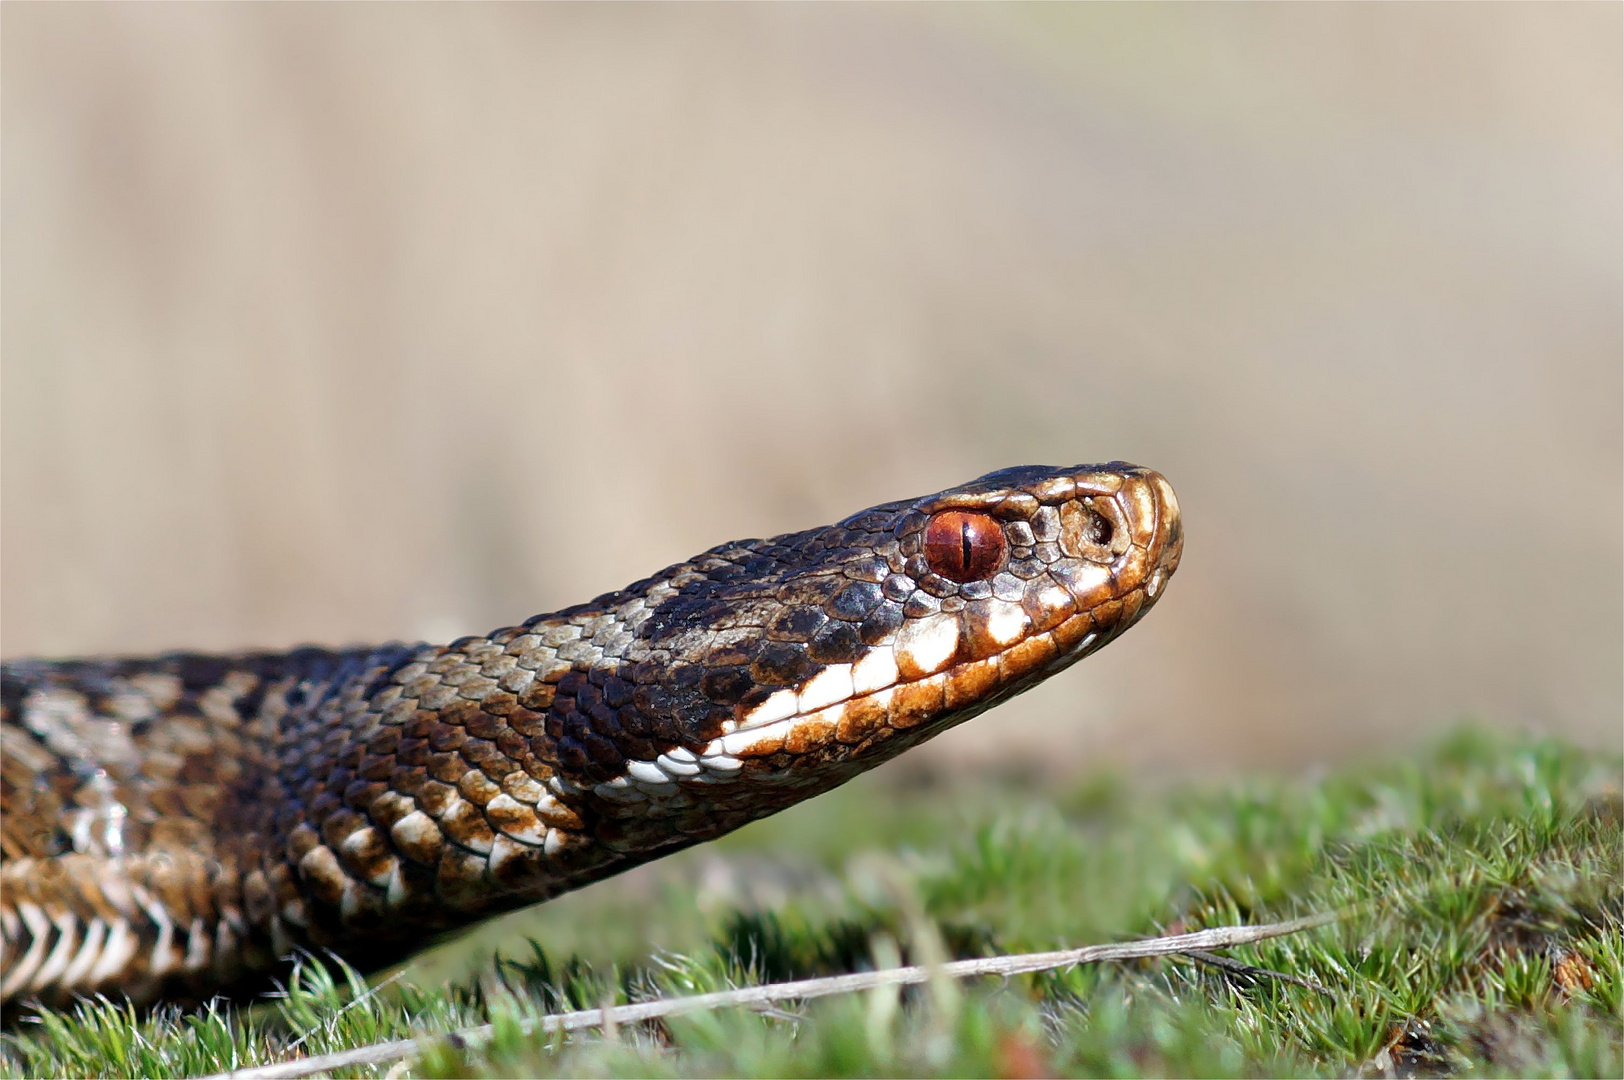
[1151, 513]
[1138, 530]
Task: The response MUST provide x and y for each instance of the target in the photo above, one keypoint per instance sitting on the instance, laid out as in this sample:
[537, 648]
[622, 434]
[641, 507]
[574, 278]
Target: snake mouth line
[902, 705]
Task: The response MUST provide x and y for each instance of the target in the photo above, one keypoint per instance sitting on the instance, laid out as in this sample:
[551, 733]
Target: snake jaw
[174, 823]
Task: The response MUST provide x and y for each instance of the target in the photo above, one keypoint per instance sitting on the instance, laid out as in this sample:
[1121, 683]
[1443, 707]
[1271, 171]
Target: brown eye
[963, 547]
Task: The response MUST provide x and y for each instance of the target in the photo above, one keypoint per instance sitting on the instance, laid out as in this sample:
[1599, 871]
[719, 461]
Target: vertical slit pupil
[963, 546]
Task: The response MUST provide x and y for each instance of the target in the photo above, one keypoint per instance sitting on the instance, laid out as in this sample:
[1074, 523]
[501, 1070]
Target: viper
[174, 827]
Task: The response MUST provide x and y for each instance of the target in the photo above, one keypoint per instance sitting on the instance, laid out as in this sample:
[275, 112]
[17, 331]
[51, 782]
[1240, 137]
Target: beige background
[357, 322]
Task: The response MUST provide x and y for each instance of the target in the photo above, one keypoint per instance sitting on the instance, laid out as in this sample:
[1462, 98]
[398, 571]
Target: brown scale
[173, 827]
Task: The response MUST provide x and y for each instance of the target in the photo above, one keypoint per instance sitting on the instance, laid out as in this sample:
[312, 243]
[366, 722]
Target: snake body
[175, 826]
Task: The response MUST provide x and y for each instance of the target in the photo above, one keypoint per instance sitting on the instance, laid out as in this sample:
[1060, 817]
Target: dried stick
[1018, 964]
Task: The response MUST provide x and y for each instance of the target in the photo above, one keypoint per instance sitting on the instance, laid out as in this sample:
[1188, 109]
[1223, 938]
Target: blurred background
[350, 323]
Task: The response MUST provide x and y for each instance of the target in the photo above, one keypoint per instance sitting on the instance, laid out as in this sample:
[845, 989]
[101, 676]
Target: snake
[180, 826]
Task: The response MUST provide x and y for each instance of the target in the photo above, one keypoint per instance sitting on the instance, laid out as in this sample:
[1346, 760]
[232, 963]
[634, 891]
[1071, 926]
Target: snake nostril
[964, 547]
[1097, 528]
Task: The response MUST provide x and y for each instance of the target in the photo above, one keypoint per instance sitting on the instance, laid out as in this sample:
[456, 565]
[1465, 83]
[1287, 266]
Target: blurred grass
[1487, 938]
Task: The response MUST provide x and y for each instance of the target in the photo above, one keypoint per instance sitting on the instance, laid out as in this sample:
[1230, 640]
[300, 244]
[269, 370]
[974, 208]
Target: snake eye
[963, 547]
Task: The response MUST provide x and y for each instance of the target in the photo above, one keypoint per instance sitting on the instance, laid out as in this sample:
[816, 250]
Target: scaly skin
[174, 826]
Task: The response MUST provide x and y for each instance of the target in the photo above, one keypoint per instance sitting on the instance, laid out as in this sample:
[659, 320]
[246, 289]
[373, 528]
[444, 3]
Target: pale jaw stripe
[876, 671]
[777, 707]
[924, 647]
[832, 684]
[741, 741]
[1055, 598]
[1006, 622]
[773, 721]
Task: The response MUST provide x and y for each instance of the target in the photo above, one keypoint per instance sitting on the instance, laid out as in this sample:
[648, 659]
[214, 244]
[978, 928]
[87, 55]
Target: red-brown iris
[962, 546]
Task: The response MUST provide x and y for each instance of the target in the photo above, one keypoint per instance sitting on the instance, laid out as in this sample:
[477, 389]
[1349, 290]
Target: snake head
[765, 671]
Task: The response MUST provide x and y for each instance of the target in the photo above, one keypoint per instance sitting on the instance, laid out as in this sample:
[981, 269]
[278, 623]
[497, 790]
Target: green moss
[1484, 935]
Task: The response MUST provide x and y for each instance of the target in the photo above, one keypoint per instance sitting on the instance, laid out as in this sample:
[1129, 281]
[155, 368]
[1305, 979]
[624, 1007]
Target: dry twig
[754, 996]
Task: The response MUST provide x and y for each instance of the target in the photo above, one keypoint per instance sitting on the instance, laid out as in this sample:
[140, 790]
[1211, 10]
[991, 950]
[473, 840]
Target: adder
[175, 826]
